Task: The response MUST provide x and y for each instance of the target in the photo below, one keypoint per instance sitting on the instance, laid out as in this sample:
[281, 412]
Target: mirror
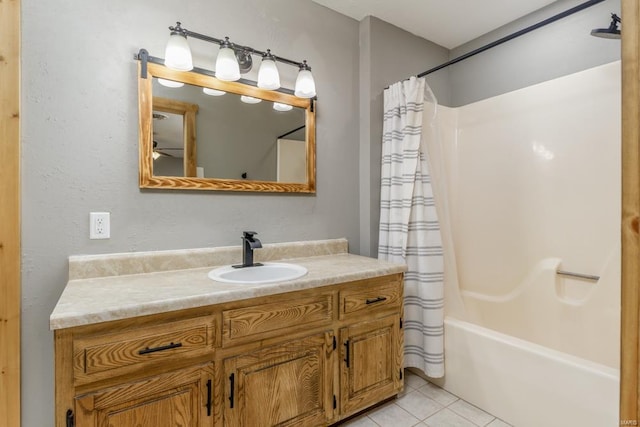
[213, 135]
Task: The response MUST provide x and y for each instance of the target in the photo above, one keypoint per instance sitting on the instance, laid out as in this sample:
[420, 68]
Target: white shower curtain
[409, 228]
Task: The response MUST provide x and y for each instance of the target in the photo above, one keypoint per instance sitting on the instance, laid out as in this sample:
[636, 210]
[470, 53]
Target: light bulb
[177, 54]
[305, 85]
[278, 106]
[227, 68]
[170, 83]
[268, 76]
[213, 92]
[250, 99]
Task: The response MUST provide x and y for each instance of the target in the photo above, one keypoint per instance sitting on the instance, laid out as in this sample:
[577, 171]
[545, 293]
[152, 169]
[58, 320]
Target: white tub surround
[534, 182]
[119, 286]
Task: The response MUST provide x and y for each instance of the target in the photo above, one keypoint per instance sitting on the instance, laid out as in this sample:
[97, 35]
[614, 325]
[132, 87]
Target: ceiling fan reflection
[160, 151]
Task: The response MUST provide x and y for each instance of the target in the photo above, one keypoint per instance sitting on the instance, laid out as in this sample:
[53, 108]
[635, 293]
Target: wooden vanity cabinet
[369, 369]
[304, 358]
[284, 385]
[180, 398]
[145, 371]
[371, 343]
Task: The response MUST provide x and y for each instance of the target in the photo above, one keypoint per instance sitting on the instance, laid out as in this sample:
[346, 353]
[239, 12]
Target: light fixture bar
[233, 60]
[236, 46]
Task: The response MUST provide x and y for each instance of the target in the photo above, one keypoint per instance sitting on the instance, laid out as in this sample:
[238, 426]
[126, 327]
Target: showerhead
[613, 32]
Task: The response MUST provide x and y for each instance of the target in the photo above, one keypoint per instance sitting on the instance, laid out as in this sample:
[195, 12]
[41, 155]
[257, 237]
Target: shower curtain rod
[512, 36]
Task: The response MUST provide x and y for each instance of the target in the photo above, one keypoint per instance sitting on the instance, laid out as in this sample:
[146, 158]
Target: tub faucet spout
[249, 243]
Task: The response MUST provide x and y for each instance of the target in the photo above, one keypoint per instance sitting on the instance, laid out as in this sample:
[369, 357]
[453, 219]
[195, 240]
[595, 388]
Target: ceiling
[440, 21]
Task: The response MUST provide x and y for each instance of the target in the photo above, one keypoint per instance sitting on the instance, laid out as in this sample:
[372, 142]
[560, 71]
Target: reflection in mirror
[168, 148]
[174, 137]
[239, 137]
[209, 134]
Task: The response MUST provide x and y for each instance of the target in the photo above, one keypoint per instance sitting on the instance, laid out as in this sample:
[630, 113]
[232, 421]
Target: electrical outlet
[99, 225]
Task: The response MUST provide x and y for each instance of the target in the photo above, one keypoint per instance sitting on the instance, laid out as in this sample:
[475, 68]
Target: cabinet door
[181, 398]
[371, 363]
[284, 385]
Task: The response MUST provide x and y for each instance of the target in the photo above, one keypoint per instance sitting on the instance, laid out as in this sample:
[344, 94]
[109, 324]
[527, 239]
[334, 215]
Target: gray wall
[80, 145]
[387, 54]
[561, 48]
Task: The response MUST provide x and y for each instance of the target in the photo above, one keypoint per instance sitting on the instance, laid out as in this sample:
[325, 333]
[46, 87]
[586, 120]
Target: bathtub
[526, 384]
[545, 354]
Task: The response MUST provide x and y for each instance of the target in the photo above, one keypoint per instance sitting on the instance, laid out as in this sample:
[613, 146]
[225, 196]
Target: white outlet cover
[99, 225]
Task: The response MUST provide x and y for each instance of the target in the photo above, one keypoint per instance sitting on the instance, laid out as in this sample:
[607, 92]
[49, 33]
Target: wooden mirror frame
[146, 106]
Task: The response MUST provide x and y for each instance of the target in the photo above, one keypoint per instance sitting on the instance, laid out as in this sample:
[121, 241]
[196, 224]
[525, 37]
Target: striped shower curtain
[409, 229]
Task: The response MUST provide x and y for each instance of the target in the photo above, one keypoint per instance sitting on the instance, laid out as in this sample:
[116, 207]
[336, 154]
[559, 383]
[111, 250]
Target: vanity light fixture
[177, 54]
[227, 67]
[213, 92]
[250, 99]
[268, 76]
[282, 107]
[234, 60]
[170, 83]
[305, 85]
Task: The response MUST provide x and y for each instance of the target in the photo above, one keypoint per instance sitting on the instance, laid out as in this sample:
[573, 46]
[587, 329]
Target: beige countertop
[119, 286]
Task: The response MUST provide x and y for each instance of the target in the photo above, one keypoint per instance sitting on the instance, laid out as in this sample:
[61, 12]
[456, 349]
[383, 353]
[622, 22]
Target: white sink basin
[269, 272]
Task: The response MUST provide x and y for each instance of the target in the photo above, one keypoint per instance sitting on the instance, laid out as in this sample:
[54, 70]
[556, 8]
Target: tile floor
[423, 404]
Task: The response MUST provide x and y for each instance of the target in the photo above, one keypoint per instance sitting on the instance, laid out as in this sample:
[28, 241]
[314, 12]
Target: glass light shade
[250, 99]
[155, 155]
[213, 92]
[177, 54]
[282, 107]
[170, 83]
[268, 76]
[227, 68]
[305, 85]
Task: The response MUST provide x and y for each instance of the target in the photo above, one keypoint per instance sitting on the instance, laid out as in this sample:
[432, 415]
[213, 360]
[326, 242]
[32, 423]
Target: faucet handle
[248, 234]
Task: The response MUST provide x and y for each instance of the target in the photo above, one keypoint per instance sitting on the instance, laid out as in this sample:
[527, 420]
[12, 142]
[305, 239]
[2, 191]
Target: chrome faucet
[249, 243]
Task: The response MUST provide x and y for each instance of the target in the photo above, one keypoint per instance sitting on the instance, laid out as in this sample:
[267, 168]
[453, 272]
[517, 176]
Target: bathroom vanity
[149, 339]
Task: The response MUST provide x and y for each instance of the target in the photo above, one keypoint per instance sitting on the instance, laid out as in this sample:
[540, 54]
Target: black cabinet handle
[232, 380]
[161, 348]
[346, 353]
[209, 398]
[69, 418]
[375, 300]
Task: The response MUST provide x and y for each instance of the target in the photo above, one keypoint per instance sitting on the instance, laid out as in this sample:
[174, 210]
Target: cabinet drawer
[112, 353]
[371, 297]
[243, 324]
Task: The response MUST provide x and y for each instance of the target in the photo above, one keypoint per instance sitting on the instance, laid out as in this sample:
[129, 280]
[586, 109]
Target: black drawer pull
[209, 398]
[232, 384]
[375, 300]
[161, 348]
[69, 418]
[346, 353]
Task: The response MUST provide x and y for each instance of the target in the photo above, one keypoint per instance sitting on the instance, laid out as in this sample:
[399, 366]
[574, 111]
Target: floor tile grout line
[471, 421]
[409, 389]
[451, 409]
